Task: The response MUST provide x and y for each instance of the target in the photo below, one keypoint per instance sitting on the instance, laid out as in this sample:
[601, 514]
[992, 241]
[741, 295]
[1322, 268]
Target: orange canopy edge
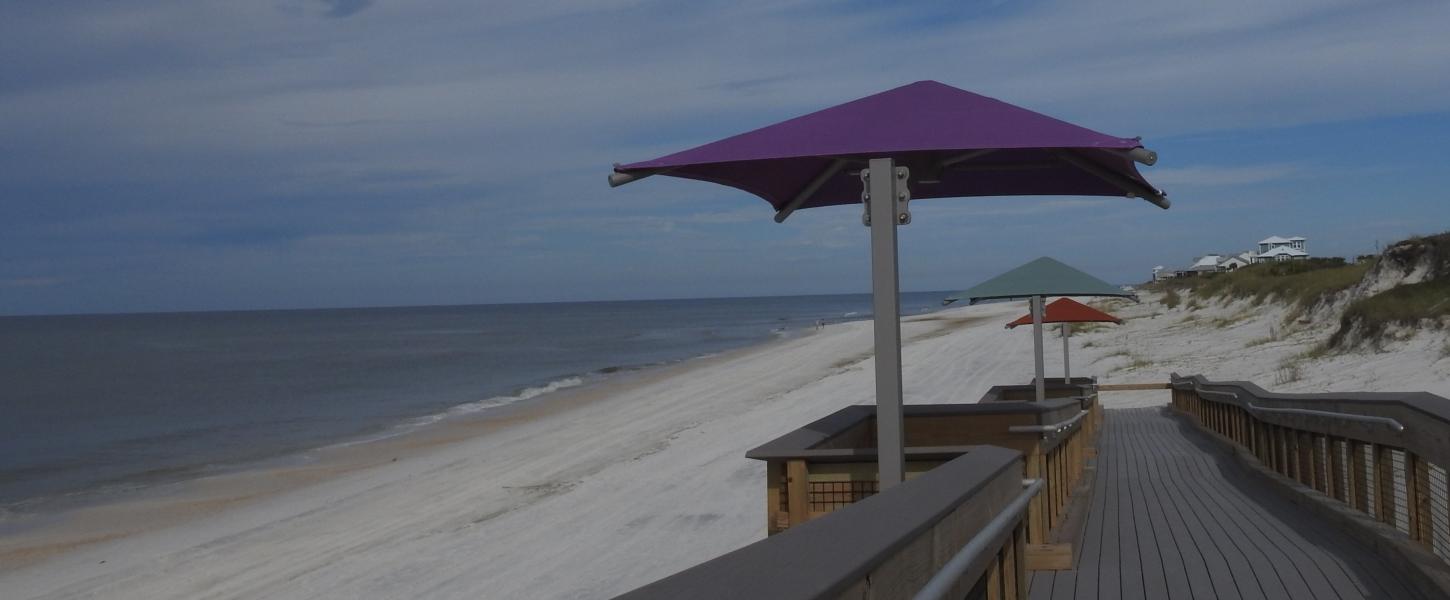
[1067, 310]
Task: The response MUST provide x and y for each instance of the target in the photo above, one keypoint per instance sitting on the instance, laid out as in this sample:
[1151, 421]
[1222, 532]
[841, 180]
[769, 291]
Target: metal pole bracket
[903, 196]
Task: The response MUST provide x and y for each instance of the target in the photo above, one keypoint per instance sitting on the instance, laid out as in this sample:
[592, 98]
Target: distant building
[1206, 264]
[1282, 253]
[1234, 263]
[1275, 248]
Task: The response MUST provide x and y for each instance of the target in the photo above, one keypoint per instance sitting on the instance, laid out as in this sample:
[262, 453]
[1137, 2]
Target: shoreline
[649, 466]
[111, 516]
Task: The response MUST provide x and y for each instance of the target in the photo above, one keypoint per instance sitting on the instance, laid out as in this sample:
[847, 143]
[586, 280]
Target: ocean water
[91, 405]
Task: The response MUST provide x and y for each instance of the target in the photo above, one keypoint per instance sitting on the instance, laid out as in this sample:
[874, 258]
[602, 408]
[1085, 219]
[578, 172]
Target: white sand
[615, 486]
[1240, 341]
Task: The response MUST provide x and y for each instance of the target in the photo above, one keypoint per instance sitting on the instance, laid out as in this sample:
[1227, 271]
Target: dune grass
[1404, 305]
[1171, 299]
[1300, 283]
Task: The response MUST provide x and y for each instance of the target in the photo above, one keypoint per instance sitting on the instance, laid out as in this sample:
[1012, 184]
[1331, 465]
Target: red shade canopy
[1067, 310]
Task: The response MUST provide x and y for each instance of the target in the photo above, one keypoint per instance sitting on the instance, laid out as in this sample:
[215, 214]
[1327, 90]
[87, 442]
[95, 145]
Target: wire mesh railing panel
[827, 496]
[1439, 511]
[1371, 501]
[1340, 449]
[1399, 490]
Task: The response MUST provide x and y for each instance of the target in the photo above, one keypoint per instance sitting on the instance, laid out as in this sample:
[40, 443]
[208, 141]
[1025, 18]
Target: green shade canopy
[1041, 277]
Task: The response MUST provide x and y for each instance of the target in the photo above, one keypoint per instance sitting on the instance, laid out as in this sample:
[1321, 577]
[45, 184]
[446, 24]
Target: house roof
[1281, 251]
[1067, 310]
[1274, 239]
[1210, 260]
[1041, 277]
[1298, 239]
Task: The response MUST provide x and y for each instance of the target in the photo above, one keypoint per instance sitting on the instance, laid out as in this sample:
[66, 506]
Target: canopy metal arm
[811, 188]
[617, 178]
[964, 157]
[1127, 185]
[1142, 155]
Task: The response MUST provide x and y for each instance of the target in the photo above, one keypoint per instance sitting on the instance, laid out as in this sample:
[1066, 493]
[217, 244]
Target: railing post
[1417, 496]
[1384, 485]
[1291, 453]
[1036, 525]
[994, 578]
[1317, 454]
[1336, 470]
[1358, 474]
[1019, 541]
[1306, 445]
[774, 474]
[798, 492]
[1009, 572]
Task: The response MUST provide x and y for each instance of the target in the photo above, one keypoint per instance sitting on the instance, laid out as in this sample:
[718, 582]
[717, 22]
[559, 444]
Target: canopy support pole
[882, 189]
[1066, 366]
[1037, 348]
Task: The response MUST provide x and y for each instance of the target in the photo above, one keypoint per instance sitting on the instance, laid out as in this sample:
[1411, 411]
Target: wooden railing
[956, 531]
[831, 463]
[1382, 454]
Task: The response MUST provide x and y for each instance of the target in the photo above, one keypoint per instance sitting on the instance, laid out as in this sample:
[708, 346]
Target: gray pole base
[1066, 365]
[1037, 347]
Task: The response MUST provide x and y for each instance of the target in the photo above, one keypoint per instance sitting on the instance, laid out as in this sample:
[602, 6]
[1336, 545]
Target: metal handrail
[940, 584]
[1386, 421]
[1053, 428]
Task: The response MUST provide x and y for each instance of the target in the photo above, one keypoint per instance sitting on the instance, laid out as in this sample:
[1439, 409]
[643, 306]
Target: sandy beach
[594, 491]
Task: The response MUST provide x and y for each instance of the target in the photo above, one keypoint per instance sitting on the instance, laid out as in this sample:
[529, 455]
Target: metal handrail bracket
[1053, 428]
[940, 584]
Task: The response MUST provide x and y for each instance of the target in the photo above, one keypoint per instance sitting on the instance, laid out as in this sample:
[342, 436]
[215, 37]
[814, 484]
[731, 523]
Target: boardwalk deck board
[1172, 515]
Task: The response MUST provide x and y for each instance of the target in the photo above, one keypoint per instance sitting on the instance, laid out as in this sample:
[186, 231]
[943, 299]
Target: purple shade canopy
[955, 142]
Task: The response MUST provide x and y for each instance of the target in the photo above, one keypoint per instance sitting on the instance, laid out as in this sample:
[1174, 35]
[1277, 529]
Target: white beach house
[1275, 248]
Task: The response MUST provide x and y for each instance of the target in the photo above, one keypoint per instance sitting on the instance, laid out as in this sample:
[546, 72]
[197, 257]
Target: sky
[208, 155]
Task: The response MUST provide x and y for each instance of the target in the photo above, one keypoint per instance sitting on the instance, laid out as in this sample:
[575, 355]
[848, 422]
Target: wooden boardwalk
[1174, 516]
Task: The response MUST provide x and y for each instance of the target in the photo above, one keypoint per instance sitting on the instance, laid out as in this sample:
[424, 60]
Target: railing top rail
[1431, 404]
[802, 442]
[823, 557]
[1343, 416]
[1415, 421]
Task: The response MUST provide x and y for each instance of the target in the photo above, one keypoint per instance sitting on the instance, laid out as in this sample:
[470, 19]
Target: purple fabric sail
[955, 142]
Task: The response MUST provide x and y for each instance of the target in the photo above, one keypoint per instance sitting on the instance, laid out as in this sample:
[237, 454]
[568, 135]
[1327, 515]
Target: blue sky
[307, 153]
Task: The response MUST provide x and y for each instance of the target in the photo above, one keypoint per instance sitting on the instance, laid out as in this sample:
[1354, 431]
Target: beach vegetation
[1407, 305]
[1299, 283]
[1288, 372]
[1424, 303]
[1259, 341]
[1171, 299]
[1274, 336]
[1231, 320]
